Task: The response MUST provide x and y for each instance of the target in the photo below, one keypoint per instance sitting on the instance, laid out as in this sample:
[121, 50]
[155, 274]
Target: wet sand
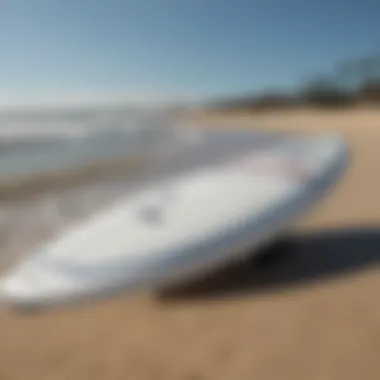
[311, 312]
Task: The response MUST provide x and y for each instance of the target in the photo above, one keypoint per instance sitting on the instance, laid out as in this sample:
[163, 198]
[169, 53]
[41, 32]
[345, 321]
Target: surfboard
[216, 206]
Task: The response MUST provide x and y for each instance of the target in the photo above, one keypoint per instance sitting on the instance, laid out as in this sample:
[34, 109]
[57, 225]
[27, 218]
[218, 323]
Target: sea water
[31, 144]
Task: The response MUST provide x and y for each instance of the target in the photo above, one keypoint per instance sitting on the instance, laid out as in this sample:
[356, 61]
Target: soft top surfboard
[185, 221]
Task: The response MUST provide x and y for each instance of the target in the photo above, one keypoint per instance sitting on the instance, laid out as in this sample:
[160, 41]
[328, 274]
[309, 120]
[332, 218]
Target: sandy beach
[314, 314]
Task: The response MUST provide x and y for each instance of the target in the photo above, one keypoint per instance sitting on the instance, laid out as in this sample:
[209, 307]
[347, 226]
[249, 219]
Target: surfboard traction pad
[277, 153]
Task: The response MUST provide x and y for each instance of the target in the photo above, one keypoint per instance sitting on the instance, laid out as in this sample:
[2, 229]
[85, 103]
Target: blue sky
[175, 48]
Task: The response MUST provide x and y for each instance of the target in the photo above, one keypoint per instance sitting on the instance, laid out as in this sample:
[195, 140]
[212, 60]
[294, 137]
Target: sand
[314, 314]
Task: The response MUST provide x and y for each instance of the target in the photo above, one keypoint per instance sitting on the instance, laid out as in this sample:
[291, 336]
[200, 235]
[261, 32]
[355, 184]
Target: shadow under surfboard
[293, 261]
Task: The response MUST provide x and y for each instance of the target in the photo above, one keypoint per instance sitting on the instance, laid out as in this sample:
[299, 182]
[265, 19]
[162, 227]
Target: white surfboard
[184, 222]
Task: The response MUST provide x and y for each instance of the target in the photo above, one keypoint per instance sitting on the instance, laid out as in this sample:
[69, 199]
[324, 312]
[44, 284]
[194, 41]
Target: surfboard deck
[184, 222]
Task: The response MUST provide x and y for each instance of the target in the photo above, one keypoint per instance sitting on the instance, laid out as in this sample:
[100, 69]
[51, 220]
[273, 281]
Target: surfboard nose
[10, 288]
[15, 291]
[30, 289]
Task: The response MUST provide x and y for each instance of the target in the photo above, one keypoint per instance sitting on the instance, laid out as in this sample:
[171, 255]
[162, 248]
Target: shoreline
[19, 187]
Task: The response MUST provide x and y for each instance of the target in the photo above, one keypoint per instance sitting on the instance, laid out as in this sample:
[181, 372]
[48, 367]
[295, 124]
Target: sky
[163, 50]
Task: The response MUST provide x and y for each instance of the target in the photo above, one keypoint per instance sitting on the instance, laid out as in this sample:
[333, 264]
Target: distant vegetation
[356, 82]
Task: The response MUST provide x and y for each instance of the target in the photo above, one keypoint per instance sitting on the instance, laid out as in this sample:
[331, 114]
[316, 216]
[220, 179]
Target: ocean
[35, 143]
